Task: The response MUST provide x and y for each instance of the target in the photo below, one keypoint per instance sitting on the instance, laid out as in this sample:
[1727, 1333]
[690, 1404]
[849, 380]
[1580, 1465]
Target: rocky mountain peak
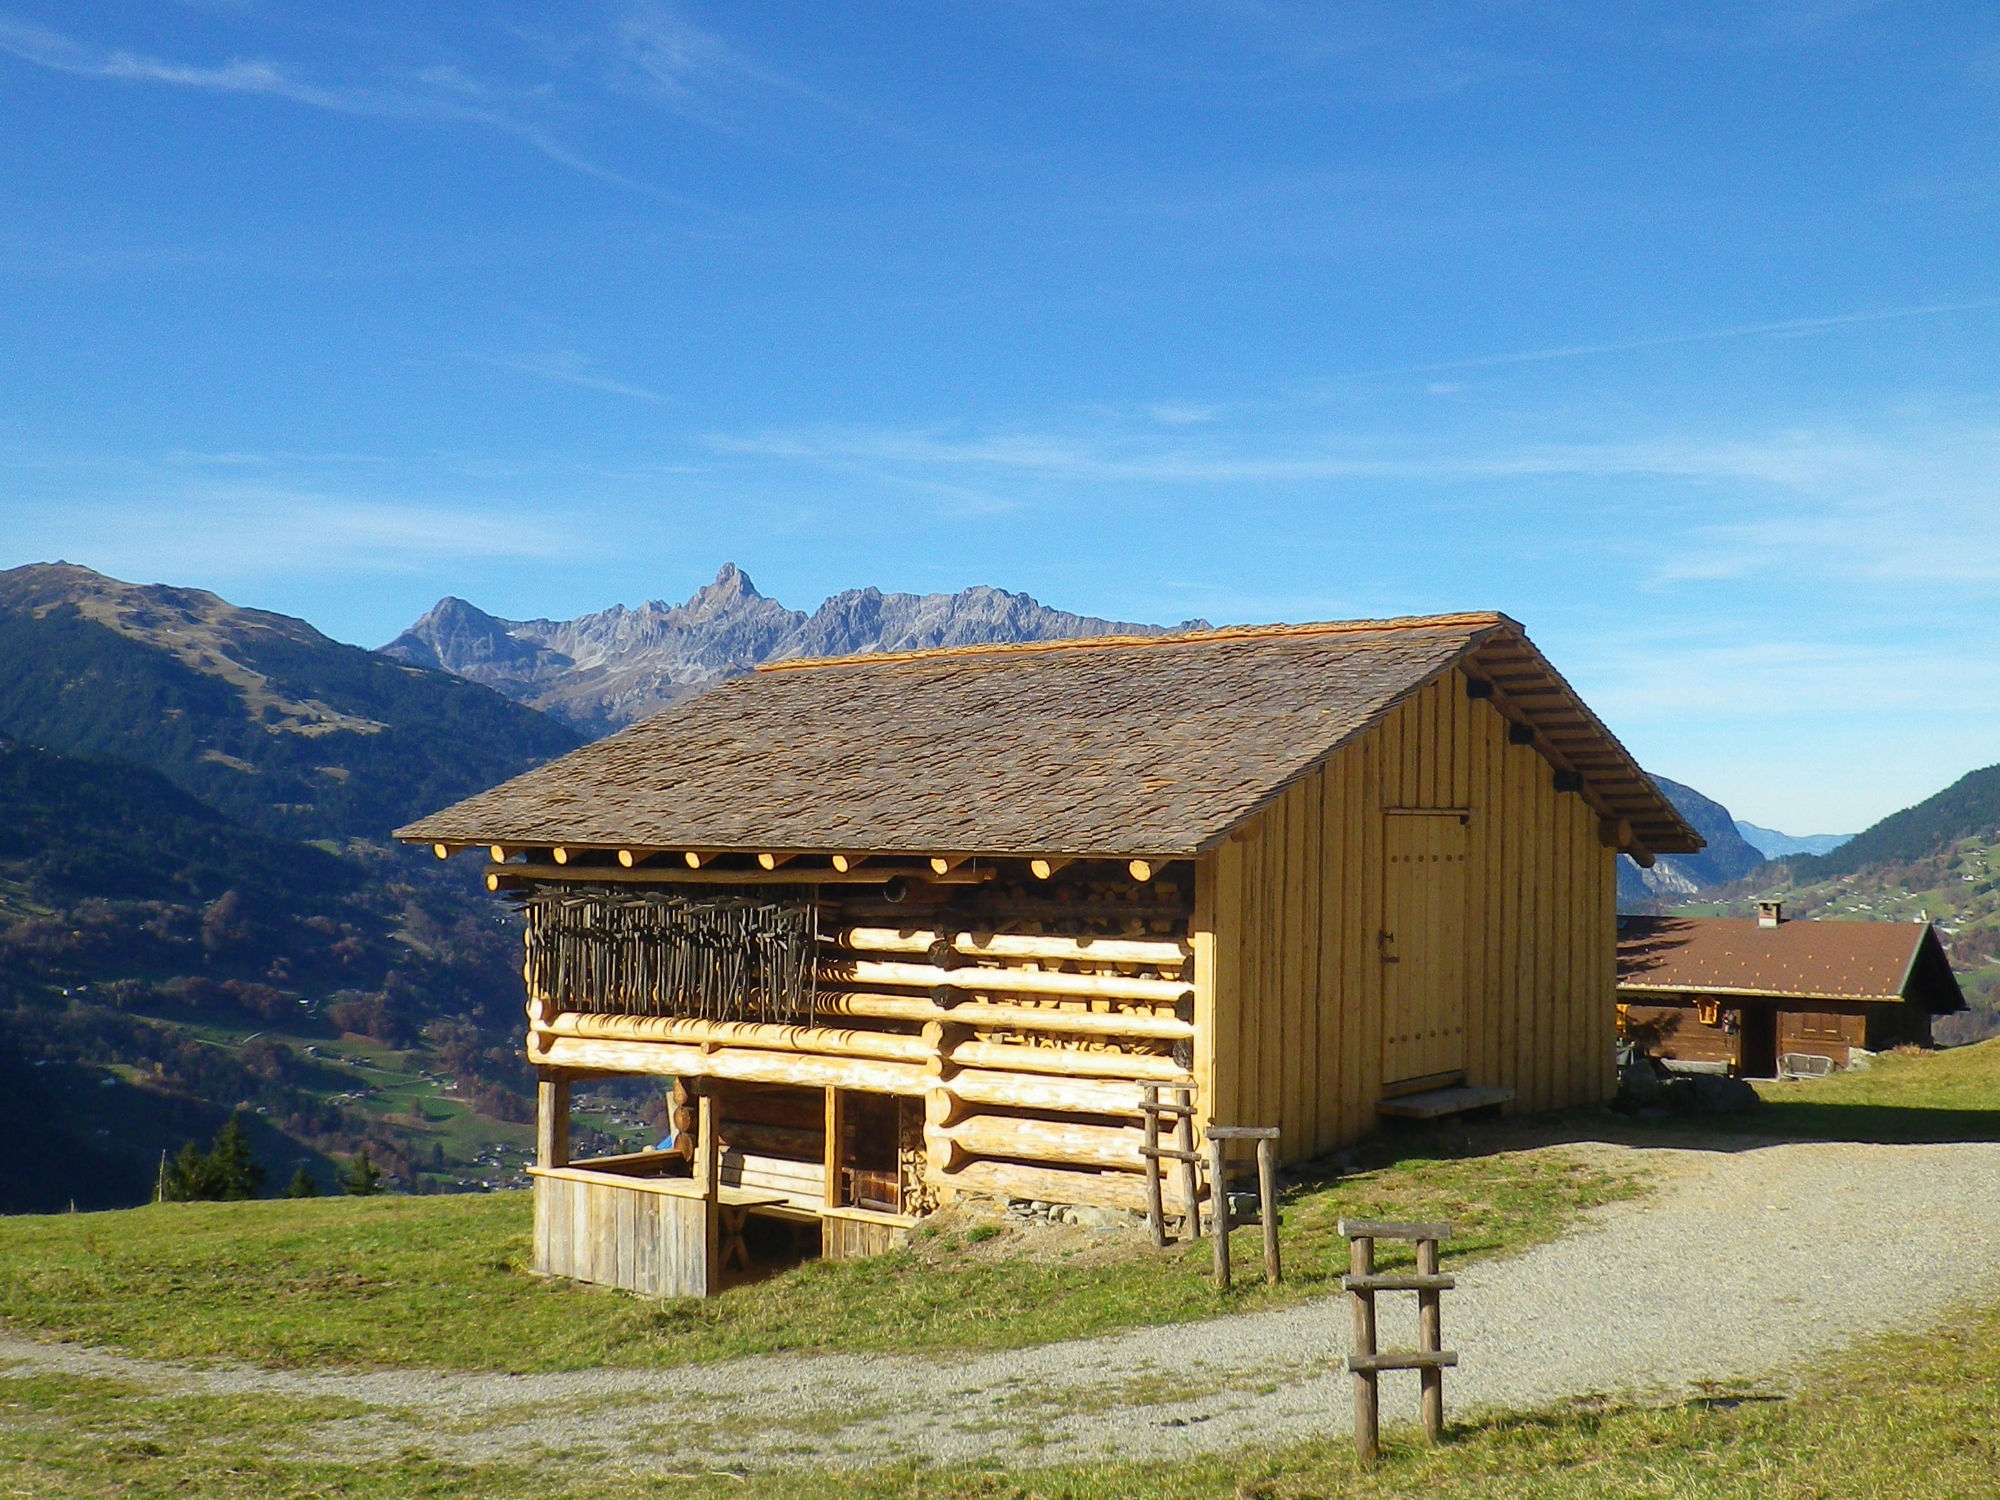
[601, 671]
[731, 590]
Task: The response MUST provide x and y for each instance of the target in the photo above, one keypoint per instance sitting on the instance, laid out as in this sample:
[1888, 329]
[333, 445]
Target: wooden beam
[1170, 951]
[499, 876]
[1045, 869]
[1016, 981]
[772, 861]
[846, 863]
[833, 1041]
[1071, 1062]
[695, 858]
[985, 1014]
[1030, 1091]
[1004, 1136]
[753, 1065]
[1140, 870]
[551, 1119]
[944, 864]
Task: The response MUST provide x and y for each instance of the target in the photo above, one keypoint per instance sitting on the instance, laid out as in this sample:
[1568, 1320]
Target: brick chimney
[1770, 913]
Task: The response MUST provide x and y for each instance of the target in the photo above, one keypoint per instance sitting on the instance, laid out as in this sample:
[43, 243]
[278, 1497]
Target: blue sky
[1673, 331]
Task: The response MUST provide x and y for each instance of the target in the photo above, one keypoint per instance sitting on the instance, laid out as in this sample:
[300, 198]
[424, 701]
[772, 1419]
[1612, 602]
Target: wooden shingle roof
[1110, 746]
[1845, 961]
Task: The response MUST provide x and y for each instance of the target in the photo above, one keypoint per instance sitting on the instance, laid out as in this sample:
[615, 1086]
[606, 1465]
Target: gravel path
[1742, 1267]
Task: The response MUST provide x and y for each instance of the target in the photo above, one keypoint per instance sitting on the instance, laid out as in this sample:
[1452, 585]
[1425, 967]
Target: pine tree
[189, 1178]
[237, 1174]
[363, 1179]
[302, 1185]
[225, 1171]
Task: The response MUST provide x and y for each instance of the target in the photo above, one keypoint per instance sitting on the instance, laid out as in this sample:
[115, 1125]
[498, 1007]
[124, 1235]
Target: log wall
[1289, 912]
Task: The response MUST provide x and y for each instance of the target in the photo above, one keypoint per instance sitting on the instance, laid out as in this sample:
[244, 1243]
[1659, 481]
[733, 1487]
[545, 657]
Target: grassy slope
[1908, 1416]
[79, 687]
[439, 1281]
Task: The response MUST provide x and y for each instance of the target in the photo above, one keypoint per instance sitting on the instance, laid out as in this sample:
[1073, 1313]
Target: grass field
[1952, 1095]
[1909, 1417]
[440, 1281]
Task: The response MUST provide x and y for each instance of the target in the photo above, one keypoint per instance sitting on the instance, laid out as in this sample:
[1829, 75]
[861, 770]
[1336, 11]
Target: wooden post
[836, 1109]
[1156, 1213]
[1430, 1340]
[708, 1172]
[1267, 1197]
[1218, 1206]
[1190, 1182]
[552, 1119]
[1367, 1410]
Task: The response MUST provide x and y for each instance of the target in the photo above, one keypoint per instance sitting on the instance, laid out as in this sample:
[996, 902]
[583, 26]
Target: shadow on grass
[1874, 1124]
[1774, 1123]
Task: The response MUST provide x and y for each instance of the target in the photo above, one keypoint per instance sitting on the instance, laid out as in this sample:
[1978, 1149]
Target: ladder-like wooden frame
[1429, 1358]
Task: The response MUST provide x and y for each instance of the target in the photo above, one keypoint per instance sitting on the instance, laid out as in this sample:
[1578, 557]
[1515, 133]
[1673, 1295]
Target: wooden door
[1422, 944]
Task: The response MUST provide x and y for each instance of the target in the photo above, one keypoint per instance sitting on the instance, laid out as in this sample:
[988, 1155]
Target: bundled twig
[650, 953]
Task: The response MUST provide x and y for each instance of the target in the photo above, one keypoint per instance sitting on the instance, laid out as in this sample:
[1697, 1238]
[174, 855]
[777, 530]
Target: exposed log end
[560, 855]
[1140, 870]
[1045, 869]
[442, 851]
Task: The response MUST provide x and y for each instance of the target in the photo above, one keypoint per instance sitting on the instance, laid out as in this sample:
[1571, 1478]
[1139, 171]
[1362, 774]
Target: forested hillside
[161, 966]
[258, 715]
[200, 910]
[1968, 808]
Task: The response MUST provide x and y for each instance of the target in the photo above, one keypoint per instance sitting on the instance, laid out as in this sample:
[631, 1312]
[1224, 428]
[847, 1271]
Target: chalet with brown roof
[1755, 998]
[905, 927]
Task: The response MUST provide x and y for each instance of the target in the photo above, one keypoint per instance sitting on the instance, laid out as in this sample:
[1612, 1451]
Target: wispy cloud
[658, 54]
[569, 368]
[1782, 328]
[248, 528]
[438, 94]
[1908, 500]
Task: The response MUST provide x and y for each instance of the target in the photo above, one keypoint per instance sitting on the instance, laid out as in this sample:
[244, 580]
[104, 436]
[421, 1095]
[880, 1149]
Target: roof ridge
[1482, 618]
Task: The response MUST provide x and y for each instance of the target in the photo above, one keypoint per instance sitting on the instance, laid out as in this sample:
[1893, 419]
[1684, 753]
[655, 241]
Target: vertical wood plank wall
[616, 1235]
[1289, 1026]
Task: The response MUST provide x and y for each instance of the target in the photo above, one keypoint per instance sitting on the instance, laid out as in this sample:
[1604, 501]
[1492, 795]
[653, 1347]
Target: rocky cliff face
[601, 671]
[1728, 855]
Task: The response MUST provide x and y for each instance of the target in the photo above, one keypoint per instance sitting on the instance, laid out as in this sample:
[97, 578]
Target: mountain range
[1775, 845]
[601, 671]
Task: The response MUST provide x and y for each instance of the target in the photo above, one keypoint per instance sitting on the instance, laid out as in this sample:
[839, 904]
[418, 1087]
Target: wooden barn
[1757, 997]
[905, 927]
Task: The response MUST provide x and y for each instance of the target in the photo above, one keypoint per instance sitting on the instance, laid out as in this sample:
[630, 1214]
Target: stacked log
[1029, 1050]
